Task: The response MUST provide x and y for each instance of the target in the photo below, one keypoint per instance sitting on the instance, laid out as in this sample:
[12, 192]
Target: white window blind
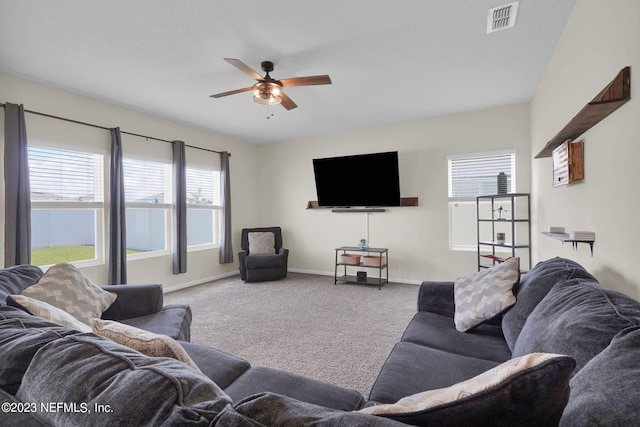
[476, 175]
[146, 182]
[64, 176]
[203, 187]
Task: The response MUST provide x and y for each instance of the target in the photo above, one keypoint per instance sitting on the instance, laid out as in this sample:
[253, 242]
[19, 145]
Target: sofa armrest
[436, 297]
[133, 301]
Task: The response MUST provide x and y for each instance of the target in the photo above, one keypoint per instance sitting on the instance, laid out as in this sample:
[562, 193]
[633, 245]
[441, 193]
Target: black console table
[376, 258]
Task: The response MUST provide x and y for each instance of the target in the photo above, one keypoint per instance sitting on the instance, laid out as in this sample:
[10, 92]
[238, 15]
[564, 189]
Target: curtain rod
[106, 128]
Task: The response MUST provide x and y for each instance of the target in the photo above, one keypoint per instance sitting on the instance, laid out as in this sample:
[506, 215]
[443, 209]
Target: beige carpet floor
[305, 324]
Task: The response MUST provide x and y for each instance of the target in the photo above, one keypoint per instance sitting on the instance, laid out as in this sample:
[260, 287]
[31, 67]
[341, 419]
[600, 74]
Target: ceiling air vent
[502, 17]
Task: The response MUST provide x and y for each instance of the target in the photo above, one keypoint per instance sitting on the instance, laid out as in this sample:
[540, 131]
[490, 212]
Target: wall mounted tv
[369, 180]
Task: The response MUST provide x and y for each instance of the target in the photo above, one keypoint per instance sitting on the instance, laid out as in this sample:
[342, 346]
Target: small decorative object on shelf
[497, 259]
[373, 260]
[363, 245]
[500, 238]
[361, 276]
[350, 259]
[500, 210]
[568, 163]
[502, 183]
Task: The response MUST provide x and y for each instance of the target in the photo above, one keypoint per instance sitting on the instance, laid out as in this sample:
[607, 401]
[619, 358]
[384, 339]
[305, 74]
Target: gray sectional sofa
[560, 309]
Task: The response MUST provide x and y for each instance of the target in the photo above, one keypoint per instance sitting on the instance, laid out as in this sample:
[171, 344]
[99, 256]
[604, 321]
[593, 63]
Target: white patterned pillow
[485, 294]
[512, 373]
[47, 311]
[145, 342]
[262, 243]
[67, 288]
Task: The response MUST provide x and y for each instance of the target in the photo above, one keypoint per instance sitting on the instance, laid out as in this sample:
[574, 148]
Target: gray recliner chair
[259, 262]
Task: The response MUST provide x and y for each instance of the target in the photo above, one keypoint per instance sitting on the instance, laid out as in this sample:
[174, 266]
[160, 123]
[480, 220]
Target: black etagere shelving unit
[514, 221]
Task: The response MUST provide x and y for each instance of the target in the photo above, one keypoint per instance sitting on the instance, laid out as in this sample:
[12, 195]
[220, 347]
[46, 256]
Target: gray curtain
[17, 216]
[117, 214]
[226, 249]
[180, 241]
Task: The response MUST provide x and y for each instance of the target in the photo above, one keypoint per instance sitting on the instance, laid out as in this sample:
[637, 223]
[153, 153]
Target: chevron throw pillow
[485, 294]
[67, 288]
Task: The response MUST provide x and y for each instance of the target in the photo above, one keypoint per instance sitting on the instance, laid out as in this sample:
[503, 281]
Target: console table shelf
[382, 255]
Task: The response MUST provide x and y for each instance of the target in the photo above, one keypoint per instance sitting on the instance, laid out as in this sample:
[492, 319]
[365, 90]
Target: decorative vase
[502, 183]
[363, 245]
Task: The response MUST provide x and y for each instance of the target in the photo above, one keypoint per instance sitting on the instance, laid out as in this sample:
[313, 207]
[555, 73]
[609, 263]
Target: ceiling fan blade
[244, 68]
[307, 81]
[287, 102]
[231, 92]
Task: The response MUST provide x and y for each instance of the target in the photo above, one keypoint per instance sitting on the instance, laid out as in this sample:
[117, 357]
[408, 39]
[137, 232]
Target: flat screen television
[369, 180]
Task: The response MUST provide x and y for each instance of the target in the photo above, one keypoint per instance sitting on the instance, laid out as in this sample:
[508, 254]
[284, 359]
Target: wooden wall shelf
[606, 102]
[404, 201]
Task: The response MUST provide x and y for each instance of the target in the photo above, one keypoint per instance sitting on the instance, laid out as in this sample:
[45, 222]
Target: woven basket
[372, 260]
[350, 259]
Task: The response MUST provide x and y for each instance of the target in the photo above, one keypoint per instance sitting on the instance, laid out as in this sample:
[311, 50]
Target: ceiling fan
[268, 90]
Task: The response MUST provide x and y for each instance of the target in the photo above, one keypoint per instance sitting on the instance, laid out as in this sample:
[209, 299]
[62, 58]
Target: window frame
[97, 205]
[166, 207]
[215, 209]
[469, 202]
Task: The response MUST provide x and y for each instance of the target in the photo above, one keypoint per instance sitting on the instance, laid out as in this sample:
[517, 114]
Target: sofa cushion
[19, 342]
[14, 280]
[579, 318]
[261, 243]
[66, 287]
[485, 294]
[412, 368]
[270, 409]
[145, 342]
[533, 287]
[46, 311]
[220, 367]
[261, 379]
[173, 320]
[605, 391]
[529, 390]
[433, 330]
[89, 370]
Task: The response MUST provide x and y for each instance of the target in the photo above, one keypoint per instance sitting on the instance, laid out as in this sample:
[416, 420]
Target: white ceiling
[390, 60]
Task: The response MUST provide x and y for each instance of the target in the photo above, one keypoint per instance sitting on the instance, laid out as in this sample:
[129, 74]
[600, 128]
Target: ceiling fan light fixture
[267, 93]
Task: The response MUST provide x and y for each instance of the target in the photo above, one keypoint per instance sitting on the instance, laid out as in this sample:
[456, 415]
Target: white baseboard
[331, 273]
[198, 282]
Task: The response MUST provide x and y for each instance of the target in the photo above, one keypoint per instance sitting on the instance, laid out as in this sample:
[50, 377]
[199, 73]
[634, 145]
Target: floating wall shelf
[606, 102]
[564, 237]
[404, 201]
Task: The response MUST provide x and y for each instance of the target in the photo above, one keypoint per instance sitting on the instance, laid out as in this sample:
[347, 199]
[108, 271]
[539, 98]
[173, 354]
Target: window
[203, 207]
[66, 205]
[148, 200]
[472, 175]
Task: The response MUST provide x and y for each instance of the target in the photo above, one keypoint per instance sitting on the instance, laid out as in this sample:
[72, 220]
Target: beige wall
[417, 237]
[203, 265]
[600, 39]
[272, 183]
